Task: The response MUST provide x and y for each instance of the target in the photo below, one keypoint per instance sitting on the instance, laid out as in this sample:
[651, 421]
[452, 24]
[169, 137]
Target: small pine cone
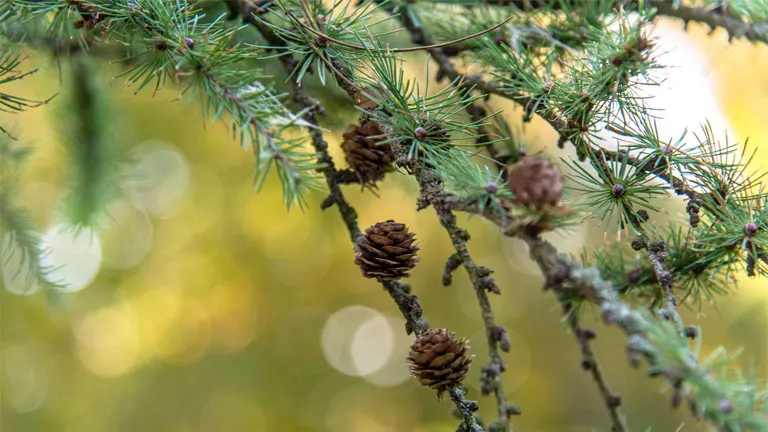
[369, 160]
[535, 182]
[438, 360]
[386, 251]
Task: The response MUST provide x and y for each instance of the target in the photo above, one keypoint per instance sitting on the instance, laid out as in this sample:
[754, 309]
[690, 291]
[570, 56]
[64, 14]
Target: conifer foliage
[579, 65]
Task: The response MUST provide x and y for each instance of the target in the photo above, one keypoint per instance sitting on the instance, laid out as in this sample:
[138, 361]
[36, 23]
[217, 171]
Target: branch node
[501, 336]
[328, 202]
[454, 261]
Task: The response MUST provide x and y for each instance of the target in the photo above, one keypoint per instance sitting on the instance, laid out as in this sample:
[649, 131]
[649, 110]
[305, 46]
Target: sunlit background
[203, 306]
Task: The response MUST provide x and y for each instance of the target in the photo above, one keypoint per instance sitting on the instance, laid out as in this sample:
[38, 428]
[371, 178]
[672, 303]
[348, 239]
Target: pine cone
[386, 251]
[369, 161]
[438, 360]
[535, 182]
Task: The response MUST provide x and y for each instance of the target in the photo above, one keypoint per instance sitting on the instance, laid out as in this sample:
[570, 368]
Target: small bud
[505, 344]
[633, 276]
[160, 45]
[588, 334]
[547, 87]
[500, 335]
[421, 133]
[642, 215]
[614, 400]
[586, 364]
[491, 187]
[472, 406]
[584, 96]
[513, 410]
[189, 43]
[322, 41]
[656, 247]
[665, 277]
[677, 396]
[498, 426]
[750, 229]
[640, 242]
[618, 190]
[726, 407]
[667, 150]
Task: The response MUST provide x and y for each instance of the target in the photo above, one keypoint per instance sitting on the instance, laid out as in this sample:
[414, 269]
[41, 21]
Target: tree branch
[714, 18]
[657, 254]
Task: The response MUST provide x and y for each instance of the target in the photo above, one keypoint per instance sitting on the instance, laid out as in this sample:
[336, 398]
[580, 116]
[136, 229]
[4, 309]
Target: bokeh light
[357, 340]
[126, 237]
[73, 256]
[157, 179]
[107, 342]
[371, 345]
[394, 371]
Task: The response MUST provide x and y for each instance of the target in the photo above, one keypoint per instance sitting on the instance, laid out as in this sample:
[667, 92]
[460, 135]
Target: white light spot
[127, 236]
[157, 181]
[371, 345]
[395, 371]
[339, 335]
[74, 256]
[15, 268]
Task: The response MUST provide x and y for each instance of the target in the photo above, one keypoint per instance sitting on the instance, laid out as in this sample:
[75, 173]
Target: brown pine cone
[368, 160]
[535, 182]
[386, 251]
[438, 360]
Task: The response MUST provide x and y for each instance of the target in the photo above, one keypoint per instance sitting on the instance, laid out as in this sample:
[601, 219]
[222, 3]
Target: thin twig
[589, 362]
[397, 50]
[713, 17]
[466, 409]
[657, 254]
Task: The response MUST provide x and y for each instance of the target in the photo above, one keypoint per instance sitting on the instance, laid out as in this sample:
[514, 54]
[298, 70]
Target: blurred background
[203, 306]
